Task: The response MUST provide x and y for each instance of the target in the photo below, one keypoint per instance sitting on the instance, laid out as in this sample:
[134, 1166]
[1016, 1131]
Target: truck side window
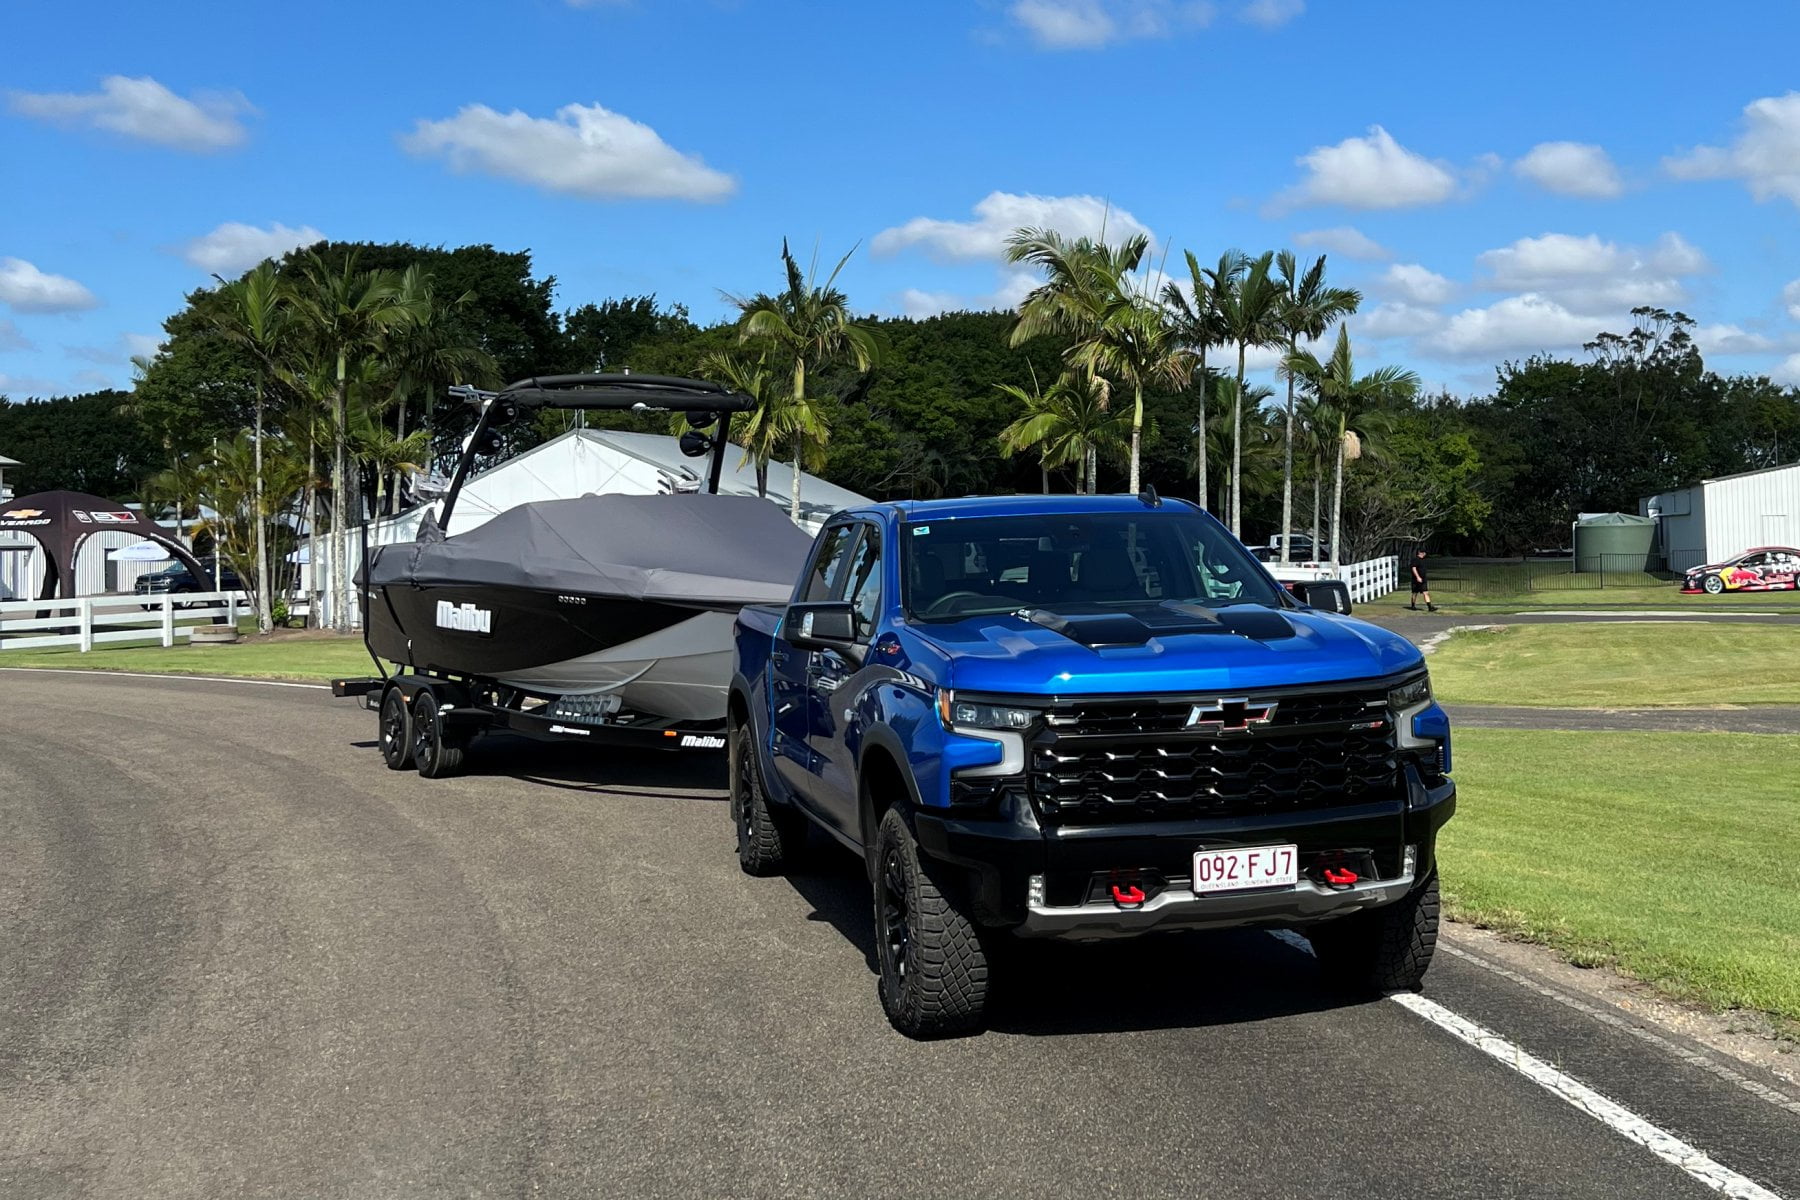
[828, 565]
[864, 589]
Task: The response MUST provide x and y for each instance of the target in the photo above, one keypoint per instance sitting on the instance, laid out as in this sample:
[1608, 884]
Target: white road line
[318, 687]
[1610, 1113]
[1692, 1058]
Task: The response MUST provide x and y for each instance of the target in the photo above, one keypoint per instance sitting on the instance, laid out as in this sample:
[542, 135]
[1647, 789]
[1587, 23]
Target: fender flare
[883, 738]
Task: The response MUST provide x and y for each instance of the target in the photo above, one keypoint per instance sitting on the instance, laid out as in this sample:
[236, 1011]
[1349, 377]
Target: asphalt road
[240, 958]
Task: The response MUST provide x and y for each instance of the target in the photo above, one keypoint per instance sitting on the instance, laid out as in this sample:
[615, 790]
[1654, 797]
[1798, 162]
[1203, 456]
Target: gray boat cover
[695, 550]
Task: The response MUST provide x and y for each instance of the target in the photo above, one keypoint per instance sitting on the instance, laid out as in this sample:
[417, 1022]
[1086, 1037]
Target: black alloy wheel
[435, 755]
[934, 966]
[394, 731]
[896, 911]
[769, 838]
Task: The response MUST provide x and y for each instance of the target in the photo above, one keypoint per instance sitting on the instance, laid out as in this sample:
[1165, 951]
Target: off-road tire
[394, 730]
[1386, 950]
[934, 969]
[770, 837]
[435, 755]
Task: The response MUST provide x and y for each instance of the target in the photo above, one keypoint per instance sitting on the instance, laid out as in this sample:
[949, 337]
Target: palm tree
[243, 489]
[1308, 309]
[1197, 326]
[1083, 285]
[1250, 313]
[1135, 345]
[761, 433]
[810, 324]
[346, 311]
[428, 350]
[1067, 425]
[1352, 408]
[253, 313]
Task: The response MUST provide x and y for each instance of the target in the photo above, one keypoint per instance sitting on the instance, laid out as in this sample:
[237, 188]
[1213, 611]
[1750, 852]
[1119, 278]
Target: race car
[1765, 569]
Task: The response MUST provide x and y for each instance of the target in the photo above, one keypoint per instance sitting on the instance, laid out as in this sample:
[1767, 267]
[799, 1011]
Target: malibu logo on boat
[465, 618]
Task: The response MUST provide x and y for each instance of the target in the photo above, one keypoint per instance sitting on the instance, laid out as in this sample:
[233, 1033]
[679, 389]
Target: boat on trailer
[601, 618]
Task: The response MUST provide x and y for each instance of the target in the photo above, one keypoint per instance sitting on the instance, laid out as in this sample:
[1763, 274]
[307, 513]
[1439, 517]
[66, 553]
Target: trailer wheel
[435, 755]
[394, 729]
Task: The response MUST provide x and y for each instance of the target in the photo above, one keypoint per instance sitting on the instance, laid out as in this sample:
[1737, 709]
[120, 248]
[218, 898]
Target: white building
[1718, 519]
[587, 462]
[6, 491]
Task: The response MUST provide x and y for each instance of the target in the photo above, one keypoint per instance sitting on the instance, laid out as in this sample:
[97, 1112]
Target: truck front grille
[1108, 761]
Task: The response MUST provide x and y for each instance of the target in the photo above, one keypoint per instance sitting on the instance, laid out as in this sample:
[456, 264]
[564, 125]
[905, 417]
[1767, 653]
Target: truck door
[837, 683]
[792, 670]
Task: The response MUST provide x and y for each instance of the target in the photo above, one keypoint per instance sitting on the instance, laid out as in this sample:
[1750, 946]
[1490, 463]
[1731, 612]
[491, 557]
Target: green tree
[809, 325]
[1135, 345]
[346, 311]
[1199, 326]
[1354, 407]
[1251, 314]
[761, 431]
[1308, 309]
[1064, 425]
[252, 312]
[241, 489]
[429, 349]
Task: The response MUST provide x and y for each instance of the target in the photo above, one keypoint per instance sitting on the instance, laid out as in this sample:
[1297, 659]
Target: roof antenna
[1149, 498]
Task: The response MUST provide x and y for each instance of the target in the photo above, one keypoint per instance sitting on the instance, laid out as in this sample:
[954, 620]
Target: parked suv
[1087, 717]
[176, 578]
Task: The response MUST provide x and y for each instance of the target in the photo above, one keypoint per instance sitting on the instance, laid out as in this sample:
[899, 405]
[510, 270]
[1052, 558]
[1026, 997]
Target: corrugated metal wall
[96, 571]
[1682, 526]
[1760, 509]
[21, 570]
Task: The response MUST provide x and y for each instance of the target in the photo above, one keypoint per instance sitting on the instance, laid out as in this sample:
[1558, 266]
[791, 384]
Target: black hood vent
[1114, 628]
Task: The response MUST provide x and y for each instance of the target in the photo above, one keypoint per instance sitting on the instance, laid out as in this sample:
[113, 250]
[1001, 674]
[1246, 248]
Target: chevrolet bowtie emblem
[1230, 716]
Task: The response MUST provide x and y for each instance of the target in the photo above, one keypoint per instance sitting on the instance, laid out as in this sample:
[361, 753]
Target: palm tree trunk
[1093, 469]
[1318, 472]
[1200, 434]
[314, 618]
[1137, 430]
[340, 499]
[1337, 502]
[1043, 477]
[265, 618]
[1287, 465]
[799, 436]
[399, 433]
[1237, 448]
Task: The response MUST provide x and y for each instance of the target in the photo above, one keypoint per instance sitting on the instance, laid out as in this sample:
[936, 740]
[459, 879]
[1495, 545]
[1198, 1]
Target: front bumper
[1036, 880]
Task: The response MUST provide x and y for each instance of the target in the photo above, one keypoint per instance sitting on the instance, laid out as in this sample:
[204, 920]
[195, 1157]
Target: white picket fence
[89, 621]
[1372, 578]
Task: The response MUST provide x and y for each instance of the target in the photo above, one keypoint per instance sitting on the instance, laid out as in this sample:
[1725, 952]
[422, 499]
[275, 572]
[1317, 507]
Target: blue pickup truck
[1084, 717]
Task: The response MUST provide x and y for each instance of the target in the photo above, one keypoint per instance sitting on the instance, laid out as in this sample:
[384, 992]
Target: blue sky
[1498, 179]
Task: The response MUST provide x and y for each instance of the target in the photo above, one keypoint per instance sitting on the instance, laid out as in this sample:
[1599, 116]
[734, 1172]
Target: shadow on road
[571, 766]
[1054, 989]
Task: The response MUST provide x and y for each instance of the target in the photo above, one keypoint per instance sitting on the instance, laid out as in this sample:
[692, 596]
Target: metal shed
[1717, 519]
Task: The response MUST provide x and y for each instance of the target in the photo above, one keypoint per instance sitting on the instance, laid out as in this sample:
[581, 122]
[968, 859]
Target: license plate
[1245, 867]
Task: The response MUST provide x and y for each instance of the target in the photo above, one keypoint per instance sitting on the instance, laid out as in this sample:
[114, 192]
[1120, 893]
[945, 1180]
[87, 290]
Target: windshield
[1071, 562]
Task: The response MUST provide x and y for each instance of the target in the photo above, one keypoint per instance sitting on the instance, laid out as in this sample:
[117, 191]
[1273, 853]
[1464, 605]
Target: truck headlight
[972, 714]
[1412, 694]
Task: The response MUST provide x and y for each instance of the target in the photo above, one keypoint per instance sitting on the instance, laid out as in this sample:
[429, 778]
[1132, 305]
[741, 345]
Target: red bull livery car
[1765, 569]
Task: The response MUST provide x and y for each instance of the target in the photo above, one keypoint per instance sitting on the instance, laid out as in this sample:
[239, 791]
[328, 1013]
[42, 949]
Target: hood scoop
[1101, 630]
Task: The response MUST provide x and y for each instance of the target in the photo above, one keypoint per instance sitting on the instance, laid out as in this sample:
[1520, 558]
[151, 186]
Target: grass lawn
[285, 655]
[1667, 856]
[1662, 597]
[1621, 666]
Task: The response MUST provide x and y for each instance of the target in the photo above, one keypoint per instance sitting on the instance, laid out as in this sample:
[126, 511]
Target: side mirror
[694, 444]
[820, 625]
[1332, 595]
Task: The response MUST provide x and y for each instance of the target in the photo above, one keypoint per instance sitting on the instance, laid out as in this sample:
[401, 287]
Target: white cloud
[1517, 324]
[12, 339]
[997, 215]
[1787, 371]
[1571, 169]
[24, 288]
[1344, 240]
[1272, 14]
[1790, 296]
[1397, 319]
[145, 110]
[1415, 284]
[1369, 172]
[17, 386]
[1591, 274]
[1088, 24]
[145, 345]
[234, 247]
[119, 353]
[1013, 286]
[585, 150]
[1765, 154]
[1731, 339]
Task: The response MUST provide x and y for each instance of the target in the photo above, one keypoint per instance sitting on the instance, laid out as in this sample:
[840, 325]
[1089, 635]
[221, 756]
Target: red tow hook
[1340, 876]
[1131, 895]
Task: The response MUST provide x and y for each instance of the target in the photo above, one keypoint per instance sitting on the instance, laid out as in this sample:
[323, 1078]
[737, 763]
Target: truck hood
[1015, 655]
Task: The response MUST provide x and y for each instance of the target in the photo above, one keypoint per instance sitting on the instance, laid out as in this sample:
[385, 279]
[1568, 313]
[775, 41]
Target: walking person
[1420, 585]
